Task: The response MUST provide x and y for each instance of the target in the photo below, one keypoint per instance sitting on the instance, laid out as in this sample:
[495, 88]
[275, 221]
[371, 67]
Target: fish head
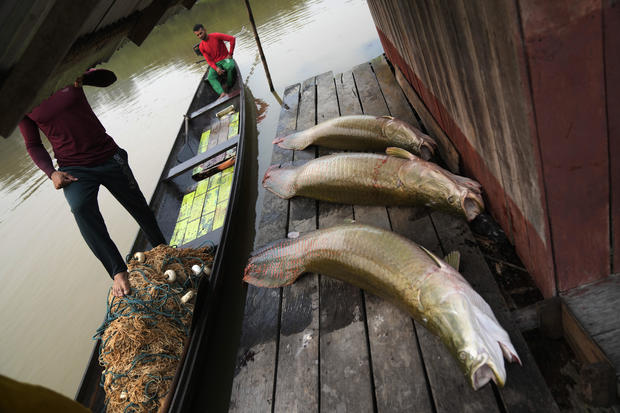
[466, 324]
[480, 367]
[442, 189]
[407, 137]
[477, 340]
[468, 201]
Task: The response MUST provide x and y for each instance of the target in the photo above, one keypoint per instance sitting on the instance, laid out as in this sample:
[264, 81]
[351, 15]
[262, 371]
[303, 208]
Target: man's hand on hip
[62, 179]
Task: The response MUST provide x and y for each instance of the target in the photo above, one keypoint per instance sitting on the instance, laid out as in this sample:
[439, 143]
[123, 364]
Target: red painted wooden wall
[529, 93]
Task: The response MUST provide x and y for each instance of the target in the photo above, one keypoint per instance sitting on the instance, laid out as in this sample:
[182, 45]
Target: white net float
[188, 296]
[139, 256]
[170, 276]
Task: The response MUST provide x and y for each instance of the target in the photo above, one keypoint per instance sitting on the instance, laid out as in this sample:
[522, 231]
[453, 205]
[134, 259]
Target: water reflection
[261, 108]
[53, 295]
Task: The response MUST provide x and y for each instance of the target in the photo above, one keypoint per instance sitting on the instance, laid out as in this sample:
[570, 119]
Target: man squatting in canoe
[87, 158]
[218, 56]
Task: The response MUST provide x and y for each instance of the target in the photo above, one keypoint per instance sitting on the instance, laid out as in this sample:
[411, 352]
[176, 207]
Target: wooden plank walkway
[323, 345]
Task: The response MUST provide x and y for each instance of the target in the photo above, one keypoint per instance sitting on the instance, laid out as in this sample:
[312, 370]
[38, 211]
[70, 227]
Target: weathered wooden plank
[575, 159]
[326, 103]
[509, 156]
[446, 149]
[400, 383]
[595, 305]
[450, 390]
[580, 341]
[348, 98]
[462, 59]
[253, 384]
[393, 345]
[589, 323]
[344, 361]
[392, 93]
[297, 383]
[371, 98]
[345, 367]
[611, 27]
[610, 343]
[443, 371]
[525, 388]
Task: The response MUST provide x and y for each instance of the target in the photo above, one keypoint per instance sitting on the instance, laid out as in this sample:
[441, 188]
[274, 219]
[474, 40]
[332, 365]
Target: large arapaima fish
[405, 274]
[375, 179]
[362, 133]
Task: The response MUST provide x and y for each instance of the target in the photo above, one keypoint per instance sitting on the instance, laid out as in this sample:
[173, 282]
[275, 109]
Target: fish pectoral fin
[433, 256]
[453, 259]
[386, 117]
[400, 153]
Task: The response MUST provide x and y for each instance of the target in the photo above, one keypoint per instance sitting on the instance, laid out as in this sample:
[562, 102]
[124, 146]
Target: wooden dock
[323, 345]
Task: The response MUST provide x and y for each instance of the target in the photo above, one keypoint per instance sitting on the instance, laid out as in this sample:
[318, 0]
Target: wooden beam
[297, 384]
[148, 19]
[597, 381]
[550, 318]
[25, 83]
[586, 349]
[255, 373]
[526, 318]
[391, 334]
[201, 157]
[208, 107]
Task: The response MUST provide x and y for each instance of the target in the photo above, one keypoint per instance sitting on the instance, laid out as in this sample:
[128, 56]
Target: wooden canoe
[209, 153]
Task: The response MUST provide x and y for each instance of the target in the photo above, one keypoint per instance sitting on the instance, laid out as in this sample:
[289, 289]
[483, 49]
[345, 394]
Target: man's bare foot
[121, 286]
[222, 95]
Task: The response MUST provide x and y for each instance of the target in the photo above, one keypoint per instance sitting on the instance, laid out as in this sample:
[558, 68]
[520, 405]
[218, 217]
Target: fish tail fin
[280, 179]
[273, 265]
[296, 141]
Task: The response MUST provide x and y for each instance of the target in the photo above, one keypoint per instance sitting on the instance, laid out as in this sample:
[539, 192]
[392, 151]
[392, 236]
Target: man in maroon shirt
[218, 57]
[87, 158]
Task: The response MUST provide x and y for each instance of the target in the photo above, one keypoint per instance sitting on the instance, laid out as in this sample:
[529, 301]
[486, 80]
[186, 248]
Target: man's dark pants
[117, 177]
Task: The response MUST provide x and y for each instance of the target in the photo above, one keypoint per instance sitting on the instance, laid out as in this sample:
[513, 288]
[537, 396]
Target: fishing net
[143, 335]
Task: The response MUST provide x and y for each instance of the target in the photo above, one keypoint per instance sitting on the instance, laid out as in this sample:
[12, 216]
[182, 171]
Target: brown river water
[53, 294]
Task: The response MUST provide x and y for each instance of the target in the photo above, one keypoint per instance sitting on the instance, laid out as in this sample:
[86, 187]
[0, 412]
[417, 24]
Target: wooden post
[550, 318]
[260, 48]
[278, 98]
